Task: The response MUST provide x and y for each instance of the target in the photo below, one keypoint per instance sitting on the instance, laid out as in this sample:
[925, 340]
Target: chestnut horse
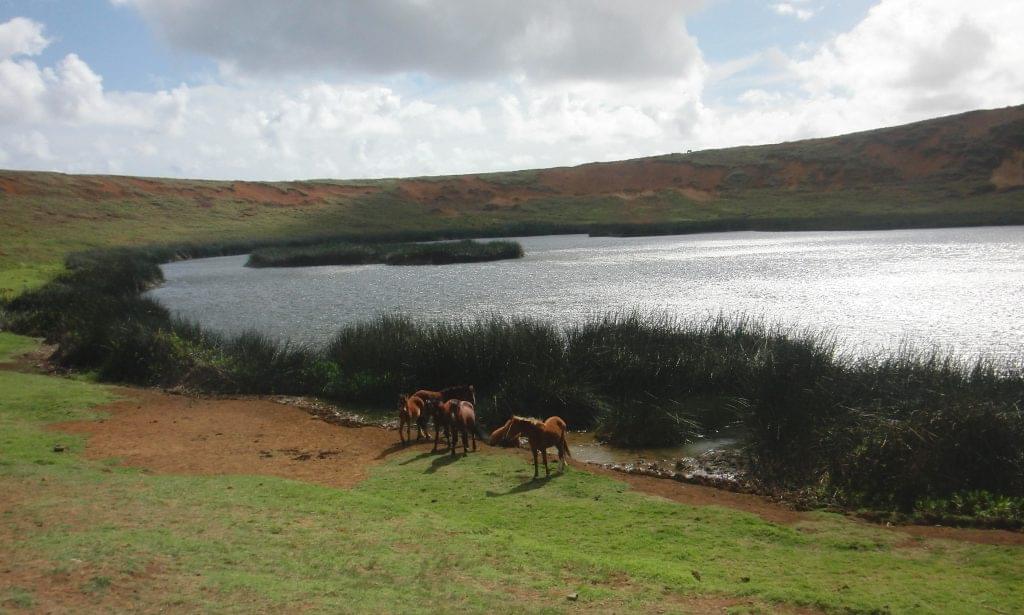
[443, 421]
[463, 422]
[465, 392]
[499, 437]
[541, 435]
[434, 399]
[411, 410]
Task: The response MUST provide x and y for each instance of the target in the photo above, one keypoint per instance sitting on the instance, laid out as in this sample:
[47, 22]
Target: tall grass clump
[347, 253]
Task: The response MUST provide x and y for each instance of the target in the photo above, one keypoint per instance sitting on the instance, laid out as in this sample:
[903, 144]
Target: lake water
[952, 289]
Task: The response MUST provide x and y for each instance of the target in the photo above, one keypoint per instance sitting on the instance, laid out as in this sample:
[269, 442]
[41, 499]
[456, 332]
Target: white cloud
[793, 9]
[21, 37]
[907, 52]
[906, 60]
[542, 39]
[70, 93]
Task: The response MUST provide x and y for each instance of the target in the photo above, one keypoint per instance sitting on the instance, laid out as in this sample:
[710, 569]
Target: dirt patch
[963, 534]
[10, 186]
[1009, 174]
[908, 163]
[699, 495]
[177, 434]
[36, 361]
[39, 586]
[632, 176]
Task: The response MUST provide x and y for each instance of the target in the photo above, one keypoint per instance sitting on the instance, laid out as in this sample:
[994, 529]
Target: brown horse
[541, 435]
[442, 413]
[411, 410]
[465, 392]
[499, 437]
[434, 399]
[463, 422]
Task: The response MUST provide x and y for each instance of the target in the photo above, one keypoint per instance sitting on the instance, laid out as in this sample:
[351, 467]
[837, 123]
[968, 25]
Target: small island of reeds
[349, 253]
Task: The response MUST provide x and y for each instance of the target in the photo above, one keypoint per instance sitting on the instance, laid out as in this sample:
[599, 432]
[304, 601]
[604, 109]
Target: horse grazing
[541, 434]
[463, 422]
[412, 410]
[499, 437]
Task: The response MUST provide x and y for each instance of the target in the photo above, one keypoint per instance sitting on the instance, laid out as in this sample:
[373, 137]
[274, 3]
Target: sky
[270, 90]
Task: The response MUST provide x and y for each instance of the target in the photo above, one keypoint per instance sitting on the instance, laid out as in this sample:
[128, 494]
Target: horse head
[500, 434]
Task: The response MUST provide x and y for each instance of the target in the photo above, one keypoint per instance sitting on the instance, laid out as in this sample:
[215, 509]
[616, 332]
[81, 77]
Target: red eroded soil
[632, 176]
[1009, 174]
[105, 188]
[176, 434]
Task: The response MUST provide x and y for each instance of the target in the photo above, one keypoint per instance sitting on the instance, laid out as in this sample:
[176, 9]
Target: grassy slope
[966, 165]
[425, 533]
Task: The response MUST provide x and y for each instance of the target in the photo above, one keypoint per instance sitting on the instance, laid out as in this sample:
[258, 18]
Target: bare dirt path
[178, 434]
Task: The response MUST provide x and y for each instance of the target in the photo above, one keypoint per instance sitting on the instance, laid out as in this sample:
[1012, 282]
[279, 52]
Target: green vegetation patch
[12, 345]
[439, 253]
[427, 533]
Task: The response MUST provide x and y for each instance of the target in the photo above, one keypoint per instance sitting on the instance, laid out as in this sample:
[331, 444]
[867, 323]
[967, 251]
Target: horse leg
[536, 470]
[437, 431]
[472, 434]
[465, 441]
[400, 425]
[547, 471]
[453, 442]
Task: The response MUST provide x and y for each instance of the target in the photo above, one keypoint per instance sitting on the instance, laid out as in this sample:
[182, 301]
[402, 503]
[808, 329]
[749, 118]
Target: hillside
[961, 169]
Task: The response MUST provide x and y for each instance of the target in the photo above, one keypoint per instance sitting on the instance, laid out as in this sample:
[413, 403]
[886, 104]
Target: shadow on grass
[530, 485]
[443, 460]
[402, 446]
[414, 458]
[394, 448]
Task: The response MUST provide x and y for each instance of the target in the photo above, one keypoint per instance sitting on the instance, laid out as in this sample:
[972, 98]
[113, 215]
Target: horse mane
[528, 419]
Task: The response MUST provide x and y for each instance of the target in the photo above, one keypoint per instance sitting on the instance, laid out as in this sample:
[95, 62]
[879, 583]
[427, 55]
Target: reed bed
[348, 253]
[888, 431]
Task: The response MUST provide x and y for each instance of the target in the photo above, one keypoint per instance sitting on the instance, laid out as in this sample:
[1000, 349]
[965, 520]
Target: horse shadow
[394, 448]
[440, 462]
[530, 485]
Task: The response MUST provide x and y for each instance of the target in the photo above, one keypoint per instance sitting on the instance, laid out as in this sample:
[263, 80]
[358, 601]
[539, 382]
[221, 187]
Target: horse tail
[565, 446]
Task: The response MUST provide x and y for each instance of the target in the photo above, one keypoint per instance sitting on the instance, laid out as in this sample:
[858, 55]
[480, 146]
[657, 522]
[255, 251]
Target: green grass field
[426, 534]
